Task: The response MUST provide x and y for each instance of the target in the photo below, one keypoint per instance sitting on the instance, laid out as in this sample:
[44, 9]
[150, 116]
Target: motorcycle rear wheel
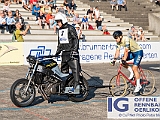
[84, 90]
[18, 95]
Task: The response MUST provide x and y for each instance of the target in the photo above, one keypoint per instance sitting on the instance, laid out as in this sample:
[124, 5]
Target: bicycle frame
[133, 82]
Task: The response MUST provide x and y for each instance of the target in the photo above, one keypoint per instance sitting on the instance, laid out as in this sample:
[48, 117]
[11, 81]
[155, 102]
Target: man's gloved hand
[113, 62]
[124, 62]
[74, 54]
[57, 53]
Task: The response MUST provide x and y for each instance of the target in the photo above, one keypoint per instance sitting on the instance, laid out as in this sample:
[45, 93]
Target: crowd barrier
[90, 52]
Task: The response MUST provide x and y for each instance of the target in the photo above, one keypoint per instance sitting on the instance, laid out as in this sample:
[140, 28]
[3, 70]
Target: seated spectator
[25, 5]
[140, 34]
[2, 20]
[113, 4]
[157, 2]
[53, 24]
[6, 6]
[36, 10]
[61, 9]
[96, 13]
[19, 34]
[72, 7]
[99, 25]
[19, 18]
[52, 4]
[124, 5]
[15, 13]
[48, 17]
[132, 33]
[120, 3]
[76, 20]
[10, 22]
[90, 13]
[84, 23]
[41, 20]
[66, 4]
[42, 8]
[79, 33]
[33, 3]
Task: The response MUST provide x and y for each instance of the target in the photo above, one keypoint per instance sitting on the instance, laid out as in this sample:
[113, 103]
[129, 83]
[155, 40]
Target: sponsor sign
[133, 107]
[11, 54]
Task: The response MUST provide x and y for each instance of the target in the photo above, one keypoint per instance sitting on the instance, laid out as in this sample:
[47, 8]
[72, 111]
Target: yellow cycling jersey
[129, 43]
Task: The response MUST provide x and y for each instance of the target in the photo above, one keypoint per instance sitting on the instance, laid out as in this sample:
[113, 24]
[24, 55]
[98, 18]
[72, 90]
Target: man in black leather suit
[68, 44]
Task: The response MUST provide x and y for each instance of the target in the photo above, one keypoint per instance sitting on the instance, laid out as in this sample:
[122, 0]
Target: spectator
[53, 24]
[33, 3]
[41, 20]
[120, 3]
[140, 34]
[113, 3]
[79, 33]
[99, 25]
[76, 20]
[61, 9]
[90, 13]
[157, 2]
[19, 18]
[25, 5]
[10, 22]
[19, 34]
[36, 10]
[132, 33]
[48, 17]
[66, 4]
[2, 20]
[6, 6]
[84, 24]
[96, 13]
[72, 7]
[52, 4]
[124, 5]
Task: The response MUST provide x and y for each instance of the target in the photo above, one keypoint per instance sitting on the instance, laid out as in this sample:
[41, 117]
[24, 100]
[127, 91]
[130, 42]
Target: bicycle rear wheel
[147, 82]
[118, 90]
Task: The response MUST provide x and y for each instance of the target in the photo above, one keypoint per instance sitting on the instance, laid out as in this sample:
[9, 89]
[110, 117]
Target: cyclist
[68, 43]
[131, 51]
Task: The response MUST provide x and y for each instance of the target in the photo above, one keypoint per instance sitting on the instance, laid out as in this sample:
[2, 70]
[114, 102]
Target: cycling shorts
[137, 56]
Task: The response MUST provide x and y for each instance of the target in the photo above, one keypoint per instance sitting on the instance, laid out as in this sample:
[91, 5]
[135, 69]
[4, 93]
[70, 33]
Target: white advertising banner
[133, 107]
[92, 52]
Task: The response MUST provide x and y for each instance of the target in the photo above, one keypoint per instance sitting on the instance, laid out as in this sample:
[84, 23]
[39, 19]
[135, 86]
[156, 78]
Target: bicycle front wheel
[118, 89]
[147, 82]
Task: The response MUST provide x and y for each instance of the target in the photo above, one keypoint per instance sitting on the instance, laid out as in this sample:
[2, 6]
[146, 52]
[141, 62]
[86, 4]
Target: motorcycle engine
[51, 86]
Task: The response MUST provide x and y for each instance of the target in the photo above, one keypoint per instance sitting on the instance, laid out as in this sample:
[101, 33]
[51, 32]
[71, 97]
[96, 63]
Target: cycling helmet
[117, 34]
[62, 17]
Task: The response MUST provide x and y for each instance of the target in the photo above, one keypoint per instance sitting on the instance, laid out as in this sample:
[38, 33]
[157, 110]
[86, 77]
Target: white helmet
[61, 16]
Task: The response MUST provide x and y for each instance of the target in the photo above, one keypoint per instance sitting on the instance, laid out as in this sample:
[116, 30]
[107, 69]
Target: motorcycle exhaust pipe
[41, 91]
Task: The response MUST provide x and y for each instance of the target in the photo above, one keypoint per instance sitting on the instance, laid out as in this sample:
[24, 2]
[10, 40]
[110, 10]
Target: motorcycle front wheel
[18, 95]
[84, 90]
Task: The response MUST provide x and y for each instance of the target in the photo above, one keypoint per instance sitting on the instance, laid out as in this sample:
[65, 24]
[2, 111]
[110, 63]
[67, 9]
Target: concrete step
[110, 23]
[34, 26]
[45, 37]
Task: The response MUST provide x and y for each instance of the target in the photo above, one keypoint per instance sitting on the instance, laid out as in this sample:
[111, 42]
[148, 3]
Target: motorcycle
[45, 75]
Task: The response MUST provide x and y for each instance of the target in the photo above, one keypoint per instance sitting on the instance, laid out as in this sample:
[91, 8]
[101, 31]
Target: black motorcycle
[44, 73]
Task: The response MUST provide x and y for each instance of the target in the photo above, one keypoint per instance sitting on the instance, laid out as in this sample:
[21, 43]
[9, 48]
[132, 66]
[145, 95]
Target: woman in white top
[140, 34]
[96, 13]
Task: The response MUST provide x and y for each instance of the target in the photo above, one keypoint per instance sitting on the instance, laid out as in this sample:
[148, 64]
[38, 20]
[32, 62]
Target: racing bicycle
[120, 83]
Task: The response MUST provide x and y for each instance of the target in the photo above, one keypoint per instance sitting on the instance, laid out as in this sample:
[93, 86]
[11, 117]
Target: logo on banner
[133, 107]
[40, 51]
[115, 104]
[9, 49]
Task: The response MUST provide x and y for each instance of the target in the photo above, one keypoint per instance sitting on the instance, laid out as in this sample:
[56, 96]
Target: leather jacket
[72, 42]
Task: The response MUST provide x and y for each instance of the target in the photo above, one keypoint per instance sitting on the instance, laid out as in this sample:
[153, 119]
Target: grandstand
[114, 20]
